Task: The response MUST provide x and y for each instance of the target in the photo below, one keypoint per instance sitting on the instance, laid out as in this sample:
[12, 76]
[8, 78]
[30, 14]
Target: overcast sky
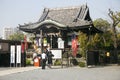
[14, 12]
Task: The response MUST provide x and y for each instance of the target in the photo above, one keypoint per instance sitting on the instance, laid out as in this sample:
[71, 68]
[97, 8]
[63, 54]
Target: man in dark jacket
[49, 58]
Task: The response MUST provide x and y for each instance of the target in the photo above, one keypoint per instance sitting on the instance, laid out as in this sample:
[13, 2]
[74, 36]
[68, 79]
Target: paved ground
[8, 70]
[58, 73]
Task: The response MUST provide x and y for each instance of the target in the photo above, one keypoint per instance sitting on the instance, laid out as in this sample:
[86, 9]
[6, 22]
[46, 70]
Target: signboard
[60, 43]
[40, 42]
[57, 53]
[18, 55]
[12, 54]
[4, 47]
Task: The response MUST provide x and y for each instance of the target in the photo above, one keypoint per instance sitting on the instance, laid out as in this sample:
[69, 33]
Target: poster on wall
[18, 55]
[57, 53]
[12, 54]
[60, 43]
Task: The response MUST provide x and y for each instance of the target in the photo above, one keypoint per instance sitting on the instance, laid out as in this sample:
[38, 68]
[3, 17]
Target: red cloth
[25, 41]
[22, 47]
[74, 47]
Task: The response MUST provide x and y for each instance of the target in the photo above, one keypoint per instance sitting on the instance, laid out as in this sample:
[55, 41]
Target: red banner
[25, 41]
[22, 47]
[74, 47]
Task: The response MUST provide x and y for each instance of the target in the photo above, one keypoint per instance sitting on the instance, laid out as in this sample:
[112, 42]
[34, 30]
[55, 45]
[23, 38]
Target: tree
[97, 41]
[17, 36]
[83, 41]
[115, 17]
[104, 40]
[101, 24]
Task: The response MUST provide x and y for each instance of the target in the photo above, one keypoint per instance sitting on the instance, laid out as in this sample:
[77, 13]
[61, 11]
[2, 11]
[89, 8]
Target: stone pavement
[10, 70]
[65, 73]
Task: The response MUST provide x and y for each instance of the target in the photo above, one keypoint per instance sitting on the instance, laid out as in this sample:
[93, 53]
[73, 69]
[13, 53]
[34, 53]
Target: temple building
[61, 23]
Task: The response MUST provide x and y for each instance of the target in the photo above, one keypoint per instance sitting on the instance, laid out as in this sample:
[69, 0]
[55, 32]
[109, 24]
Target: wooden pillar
[41, 40]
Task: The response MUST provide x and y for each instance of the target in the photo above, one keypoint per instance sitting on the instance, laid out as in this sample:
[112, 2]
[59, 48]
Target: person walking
[49, 58]
[43, 60]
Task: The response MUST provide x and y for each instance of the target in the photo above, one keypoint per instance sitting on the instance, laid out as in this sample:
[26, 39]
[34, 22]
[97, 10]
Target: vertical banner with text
[12, 54]
[18, 54]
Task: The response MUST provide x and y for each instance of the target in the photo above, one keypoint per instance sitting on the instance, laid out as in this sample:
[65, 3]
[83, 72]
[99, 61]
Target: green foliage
[98, 41]
[86, 44]
[17, 36]
[101, 24]
[107, 37]
[74, 61]
[118, 56]
[57, 62]
[28, 62]
[103, 40]
[31, 39]
[82, 39]
[118, 35]
[119, 25]
[95, 40]
[81, 64]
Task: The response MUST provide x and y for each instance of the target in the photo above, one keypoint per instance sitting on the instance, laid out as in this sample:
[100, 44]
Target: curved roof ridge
[69, 7]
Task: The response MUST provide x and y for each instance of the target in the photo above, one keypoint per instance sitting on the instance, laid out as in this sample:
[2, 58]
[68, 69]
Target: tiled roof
[72, 17]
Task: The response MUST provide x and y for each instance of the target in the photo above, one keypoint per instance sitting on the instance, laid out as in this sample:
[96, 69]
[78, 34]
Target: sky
[14, 12]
